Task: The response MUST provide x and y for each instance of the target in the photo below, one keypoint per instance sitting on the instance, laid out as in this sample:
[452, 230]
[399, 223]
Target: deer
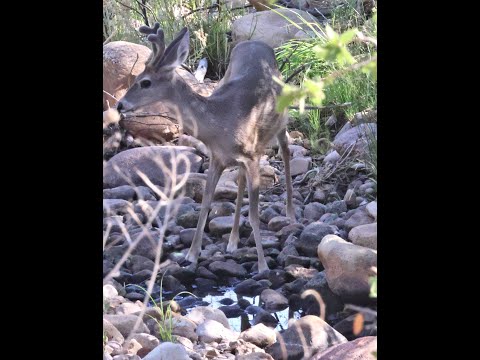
[236, 122]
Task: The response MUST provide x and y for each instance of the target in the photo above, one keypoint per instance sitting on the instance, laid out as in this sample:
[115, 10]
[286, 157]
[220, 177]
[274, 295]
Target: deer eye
[145, 84]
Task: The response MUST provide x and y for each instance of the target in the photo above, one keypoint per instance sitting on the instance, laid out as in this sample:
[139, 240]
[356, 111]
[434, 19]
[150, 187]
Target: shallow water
[242, 322]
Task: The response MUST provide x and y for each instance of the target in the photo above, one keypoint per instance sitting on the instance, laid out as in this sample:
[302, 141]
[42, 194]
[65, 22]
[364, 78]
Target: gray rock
[116, 206]
[287, 251]
[359, 349]
[213, 331]
[332, 158]
[223, 225]
[147, 341]
[259, 335]
[249, 288]
[168, 351]
[337, 207]
[314, 211]
[126, 323]
[195, 186]
[129, 162]
[112, 332]
[189, 219]
[273, 300]
[360, 217]
[372, 209]
[221, 209]
[139, 263]
[357, 137]
[202, 313]
[144, 193]
[305, 337]
[319, 196]
[300, 165]
[300, 272]
[278, 222]
[297, 151]
[228, 268]
[268, 214]
[311, 236]
[142, 275]
[348, 268]
[364, 235]
[297, 260]
[125, 192]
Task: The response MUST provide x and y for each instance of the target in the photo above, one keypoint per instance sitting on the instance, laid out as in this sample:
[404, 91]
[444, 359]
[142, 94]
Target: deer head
[155, 83]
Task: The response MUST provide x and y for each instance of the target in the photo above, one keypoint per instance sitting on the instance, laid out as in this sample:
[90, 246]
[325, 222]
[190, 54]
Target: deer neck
[191, 110]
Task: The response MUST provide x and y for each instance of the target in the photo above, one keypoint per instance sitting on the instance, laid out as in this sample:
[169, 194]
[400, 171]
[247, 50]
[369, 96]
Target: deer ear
[177, 52]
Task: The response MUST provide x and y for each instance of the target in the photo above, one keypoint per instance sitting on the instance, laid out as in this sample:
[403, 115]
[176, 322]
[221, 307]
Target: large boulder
[359, 349]
[122, 63]
[348, 268]
[304, 338]
[149, 160]
[364, 235]
[356, 138]
[271, 26]
[168, 351]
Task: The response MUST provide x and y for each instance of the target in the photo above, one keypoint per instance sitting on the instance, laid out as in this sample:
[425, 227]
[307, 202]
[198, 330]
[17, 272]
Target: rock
[142, 275]
[299, 272]
[278, 223]
[360, 217]
[139, 263]
[319, 196]
[300, 165]
[274, 301]
[125, 324]
[359, 349]
[364, 235]
[109, 292]
[264, 317]
[221, 209]
[270, 26]
[350, 198]
[259, 335]
[144, 193]
[345, 326]
[143, 159]
[148, 343]
[254, 356]
[128, 308]
[249, 288]
[318, 283]
[112, 332]
[168, 351]
[202, 313]
[314, 211]
[297, 260]
[225, 192]
[332, 158]
[182, 326]
[297, 151]
[347, 268]
[337, 207]
[311, 236]
[223, 225]
[372, 209]
[119, 58]
[195, 186]
[232, 311]
[356, 137]
[304, 338]
[116, 206]
[287, 251]
[124, 192]
[211, 330]
[189, 219]
[268, 178]
[228, 268]
[268, 214]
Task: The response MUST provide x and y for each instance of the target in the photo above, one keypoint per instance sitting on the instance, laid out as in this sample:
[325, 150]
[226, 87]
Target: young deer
[236, 122]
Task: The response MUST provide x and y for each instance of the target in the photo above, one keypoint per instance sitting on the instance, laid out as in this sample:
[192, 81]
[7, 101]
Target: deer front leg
[253, 181]
[283, 143]
[235, 235]
[214, 172]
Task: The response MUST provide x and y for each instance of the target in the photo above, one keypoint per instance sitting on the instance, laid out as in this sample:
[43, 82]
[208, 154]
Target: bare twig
[110, 36]
[129, 7]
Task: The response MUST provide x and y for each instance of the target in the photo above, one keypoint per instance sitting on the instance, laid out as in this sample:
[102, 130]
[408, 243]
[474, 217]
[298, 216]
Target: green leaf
[348, 36]
[331, 34]
[373, 286]
[315, 91]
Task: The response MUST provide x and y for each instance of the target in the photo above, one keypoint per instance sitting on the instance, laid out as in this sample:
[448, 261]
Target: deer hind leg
[253, 181]
[214, 172]
[283, 143]
[235, 235]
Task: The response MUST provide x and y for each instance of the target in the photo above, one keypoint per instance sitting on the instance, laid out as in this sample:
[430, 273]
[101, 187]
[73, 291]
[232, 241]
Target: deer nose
[119, 107]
